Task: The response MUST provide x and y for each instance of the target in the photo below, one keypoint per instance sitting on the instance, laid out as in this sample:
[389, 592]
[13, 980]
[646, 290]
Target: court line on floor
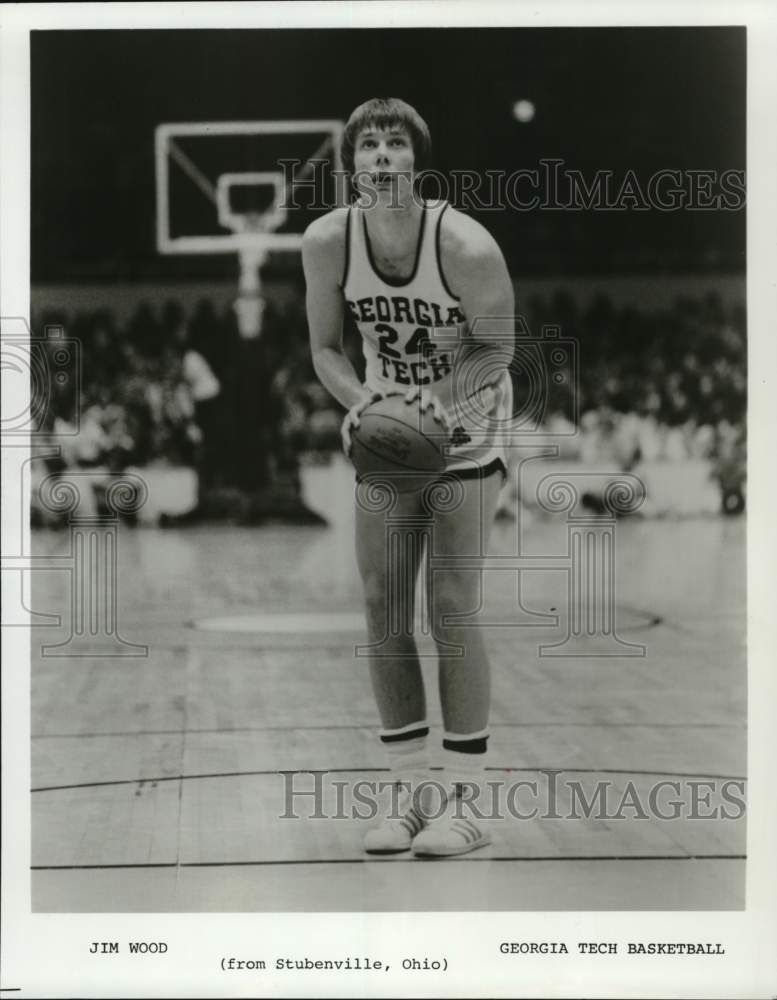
[652, 619]
[371, 727]
[542, 769]
[396, 860]
[327, 621]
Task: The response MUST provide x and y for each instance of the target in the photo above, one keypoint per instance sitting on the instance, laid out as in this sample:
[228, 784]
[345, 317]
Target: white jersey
[414, 334]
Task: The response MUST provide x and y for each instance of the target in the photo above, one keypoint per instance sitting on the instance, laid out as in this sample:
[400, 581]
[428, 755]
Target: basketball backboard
[223, 186]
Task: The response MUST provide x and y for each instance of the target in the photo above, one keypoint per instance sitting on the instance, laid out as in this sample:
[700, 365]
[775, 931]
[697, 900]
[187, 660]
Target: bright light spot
[523, 111]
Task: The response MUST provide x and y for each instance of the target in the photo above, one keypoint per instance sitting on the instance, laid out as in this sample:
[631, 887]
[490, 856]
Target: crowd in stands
[646, 384]
[166, 388]
[654, 385]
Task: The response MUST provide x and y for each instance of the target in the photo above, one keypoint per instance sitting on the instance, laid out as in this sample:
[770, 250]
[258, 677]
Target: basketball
[397, 439]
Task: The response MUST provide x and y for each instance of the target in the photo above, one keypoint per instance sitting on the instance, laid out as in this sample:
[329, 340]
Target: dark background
[633, 98]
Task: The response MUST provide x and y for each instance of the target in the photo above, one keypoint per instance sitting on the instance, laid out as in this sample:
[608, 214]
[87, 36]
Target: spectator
[667, 384]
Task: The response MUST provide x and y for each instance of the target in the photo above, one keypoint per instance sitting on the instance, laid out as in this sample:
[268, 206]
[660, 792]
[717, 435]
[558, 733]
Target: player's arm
[476, 271]
[323, 254]
[323, 258]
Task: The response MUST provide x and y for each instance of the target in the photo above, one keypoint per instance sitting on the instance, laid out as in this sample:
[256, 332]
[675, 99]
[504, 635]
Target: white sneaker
[450, 835]
[396, 832]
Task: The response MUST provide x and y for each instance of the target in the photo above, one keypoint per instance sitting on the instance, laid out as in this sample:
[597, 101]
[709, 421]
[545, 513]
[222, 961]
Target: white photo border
[45, 955]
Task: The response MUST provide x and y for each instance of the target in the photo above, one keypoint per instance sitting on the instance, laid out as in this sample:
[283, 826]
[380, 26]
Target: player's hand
[351, 421]
[427, 399]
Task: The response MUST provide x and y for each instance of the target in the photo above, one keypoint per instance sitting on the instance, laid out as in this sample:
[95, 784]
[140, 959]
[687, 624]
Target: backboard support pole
[249, 304]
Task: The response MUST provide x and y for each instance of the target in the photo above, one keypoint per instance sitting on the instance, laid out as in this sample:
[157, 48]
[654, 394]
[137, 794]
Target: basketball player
[415, 276]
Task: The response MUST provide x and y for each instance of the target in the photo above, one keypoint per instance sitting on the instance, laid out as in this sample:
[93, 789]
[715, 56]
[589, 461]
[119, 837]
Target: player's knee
[390, 610]
[455, 594]
[375, 591]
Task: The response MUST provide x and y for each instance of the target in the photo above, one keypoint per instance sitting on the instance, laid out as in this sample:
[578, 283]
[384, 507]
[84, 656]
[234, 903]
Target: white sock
[407, 754]
[464, 762]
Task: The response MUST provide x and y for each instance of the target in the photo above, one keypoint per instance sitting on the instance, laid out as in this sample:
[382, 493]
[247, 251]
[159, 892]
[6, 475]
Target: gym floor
[157, 779]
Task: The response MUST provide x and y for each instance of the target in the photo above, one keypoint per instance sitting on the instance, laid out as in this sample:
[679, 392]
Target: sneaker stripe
[472, 831]
[413, 822]
[472, 827]
[460, 828]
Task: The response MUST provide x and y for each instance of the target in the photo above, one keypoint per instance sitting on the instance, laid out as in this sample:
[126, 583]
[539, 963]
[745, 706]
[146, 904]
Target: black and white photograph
[386, 520]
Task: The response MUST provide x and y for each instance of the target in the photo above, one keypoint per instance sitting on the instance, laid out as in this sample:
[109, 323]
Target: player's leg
[389, 572]
[461, 539]
[464, 670]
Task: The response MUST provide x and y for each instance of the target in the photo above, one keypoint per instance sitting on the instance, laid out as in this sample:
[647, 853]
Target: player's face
[383, 162]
